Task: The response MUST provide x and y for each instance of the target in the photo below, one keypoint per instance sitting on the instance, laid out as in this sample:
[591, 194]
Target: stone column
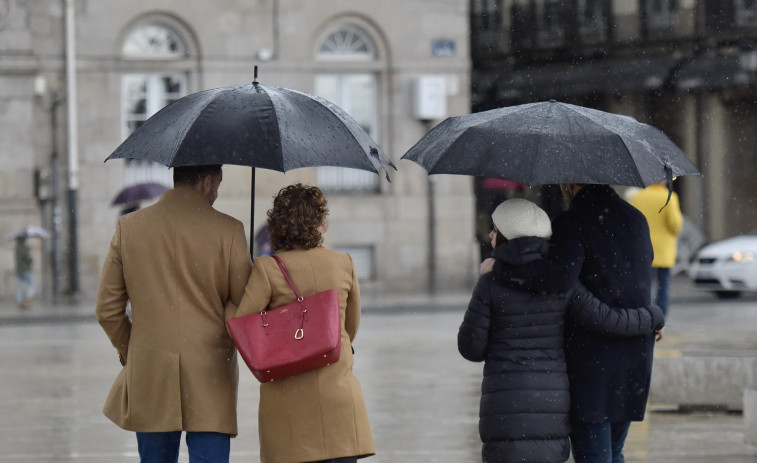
[713, 152]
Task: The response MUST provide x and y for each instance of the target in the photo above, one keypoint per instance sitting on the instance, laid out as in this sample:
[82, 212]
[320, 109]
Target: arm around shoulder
[594, 315]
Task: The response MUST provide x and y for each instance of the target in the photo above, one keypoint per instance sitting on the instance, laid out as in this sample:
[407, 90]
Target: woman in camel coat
[319, 415]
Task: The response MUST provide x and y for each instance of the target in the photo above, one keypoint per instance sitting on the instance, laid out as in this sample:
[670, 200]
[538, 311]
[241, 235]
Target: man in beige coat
[180, 263]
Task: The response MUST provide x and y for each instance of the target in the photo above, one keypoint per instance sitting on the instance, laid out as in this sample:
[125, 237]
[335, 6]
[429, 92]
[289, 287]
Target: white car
[726, 267]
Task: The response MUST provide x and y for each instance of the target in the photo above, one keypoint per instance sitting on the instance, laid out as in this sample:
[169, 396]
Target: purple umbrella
[139, 192]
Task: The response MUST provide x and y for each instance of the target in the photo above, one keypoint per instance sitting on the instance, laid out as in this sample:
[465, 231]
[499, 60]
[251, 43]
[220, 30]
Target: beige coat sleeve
[110, 305]
[240, 267]
[257, 293]
[352, 312]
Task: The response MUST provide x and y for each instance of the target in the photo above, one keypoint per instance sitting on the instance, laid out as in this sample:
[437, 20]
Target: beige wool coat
[320, 414]
[179, 263]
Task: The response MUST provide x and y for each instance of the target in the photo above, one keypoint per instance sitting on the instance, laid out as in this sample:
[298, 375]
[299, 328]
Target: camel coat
[179, 263]
[320, 414]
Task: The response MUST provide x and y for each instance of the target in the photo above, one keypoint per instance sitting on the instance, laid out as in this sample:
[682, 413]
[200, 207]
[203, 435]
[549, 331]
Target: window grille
[347, 42]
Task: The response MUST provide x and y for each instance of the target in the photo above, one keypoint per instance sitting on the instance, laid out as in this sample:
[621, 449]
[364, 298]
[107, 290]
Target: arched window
[355, 91]
[153, 41]
[145, 93]
[347, 42]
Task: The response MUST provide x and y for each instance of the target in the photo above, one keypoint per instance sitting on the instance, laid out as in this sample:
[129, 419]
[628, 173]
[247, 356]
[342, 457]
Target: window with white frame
[145, 93]
[356, 93]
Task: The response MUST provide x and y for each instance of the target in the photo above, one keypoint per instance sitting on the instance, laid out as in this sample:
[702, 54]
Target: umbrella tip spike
[255, 74]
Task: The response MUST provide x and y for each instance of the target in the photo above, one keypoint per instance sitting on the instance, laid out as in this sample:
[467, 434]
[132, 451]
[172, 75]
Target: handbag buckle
[299, 333]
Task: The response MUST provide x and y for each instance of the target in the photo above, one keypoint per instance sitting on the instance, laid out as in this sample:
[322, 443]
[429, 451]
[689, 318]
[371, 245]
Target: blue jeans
[25, 288]
[599, 443]
[163, 447]
[661, 275]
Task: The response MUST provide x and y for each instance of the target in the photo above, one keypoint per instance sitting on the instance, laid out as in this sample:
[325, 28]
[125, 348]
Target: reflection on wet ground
[422, 399]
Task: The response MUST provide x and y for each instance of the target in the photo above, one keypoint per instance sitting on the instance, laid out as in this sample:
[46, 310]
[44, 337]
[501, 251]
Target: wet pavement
[422, 397]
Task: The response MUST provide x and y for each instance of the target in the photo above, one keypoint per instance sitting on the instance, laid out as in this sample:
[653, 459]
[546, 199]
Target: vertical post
[431, 236]
[431, 224]
[57, 219]
[252, 213]
[73, 153]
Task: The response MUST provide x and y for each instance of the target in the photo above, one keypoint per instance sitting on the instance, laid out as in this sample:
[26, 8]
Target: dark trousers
[163, 447]
[661, 276]
[599, 443]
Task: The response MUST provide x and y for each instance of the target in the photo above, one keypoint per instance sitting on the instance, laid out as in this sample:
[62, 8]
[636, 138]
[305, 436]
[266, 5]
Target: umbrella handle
[669, 179]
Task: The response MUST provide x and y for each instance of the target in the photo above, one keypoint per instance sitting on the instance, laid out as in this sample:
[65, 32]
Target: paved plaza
[422, 397]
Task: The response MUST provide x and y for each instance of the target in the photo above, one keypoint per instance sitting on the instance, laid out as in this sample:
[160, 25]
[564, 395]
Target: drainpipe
[73, 143]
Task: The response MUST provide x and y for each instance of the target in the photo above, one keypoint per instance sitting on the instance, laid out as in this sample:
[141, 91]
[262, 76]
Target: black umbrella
[254, 125]
[140, 192]
[549, 143]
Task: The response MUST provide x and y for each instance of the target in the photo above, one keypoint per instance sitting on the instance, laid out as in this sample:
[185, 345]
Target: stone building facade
[688, 67]
[132, 58]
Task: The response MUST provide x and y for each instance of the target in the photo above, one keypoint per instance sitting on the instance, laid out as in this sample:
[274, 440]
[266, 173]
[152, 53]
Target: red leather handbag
[294, 338]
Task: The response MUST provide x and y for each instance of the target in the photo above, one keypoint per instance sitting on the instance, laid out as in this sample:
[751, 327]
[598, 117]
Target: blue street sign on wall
[443, 47]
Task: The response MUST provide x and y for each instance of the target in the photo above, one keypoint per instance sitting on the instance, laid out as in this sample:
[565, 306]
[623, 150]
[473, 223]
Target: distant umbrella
[140, 192]
[32, 231]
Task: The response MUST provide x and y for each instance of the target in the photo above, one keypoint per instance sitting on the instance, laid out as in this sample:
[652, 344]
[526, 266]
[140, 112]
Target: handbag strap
[286, 275]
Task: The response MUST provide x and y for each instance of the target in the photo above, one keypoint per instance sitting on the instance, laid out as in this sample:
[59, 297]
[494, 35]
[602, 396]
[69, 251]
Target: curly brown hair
[294, 220]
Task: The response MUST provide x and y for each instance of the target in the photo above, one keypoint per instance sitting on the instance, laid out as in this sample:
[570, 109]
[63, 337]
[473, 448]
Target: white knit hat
[517, 217]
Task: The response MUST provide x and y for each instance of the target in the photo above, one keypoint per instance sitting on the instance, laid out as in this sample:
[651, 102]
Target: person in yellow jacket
[664, 228]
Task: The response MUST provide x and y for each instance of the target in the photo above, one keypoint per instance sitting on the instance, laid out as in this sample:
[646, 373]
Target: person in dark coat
[525, 402]
[603, 242]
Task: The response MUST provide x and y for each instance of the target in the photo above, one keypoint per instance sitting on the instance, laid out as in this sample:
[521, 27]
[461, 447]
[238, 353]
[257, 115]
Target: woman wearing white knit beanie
[525, 403]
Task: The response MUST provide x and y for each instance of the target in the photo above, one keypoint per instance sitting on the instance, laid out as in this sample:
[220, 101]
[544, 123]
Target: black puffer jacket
[525, 401]
[603, 242]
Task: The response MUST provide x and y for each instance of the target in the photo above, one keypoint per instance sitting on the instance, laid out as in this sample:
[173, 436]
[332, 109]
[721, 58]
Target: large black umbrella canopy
[253, 125]
[550, 143]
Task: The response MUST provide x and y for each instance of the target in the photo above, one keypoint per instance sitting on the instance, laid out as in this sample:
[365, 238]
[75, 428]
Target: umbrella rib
[194, 121]
[262, 123]
[330, 107]
[616, 135]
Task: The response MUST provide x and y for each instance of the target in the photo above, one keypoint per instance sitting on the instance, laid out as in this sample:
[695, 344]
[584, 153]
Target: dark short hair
[297, 213]
[190, 175]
